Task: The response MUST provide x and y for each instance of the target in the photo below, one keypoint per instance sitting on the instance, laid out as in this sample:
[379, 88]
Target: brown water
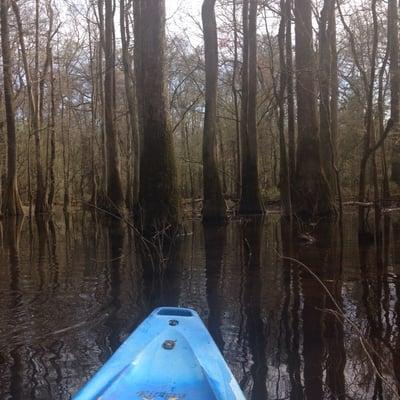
[72, 289]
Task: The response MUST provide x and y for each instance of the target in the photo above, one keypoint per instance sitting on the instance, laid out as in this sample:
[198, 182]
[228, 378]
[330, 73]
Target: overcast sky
[184, 17]
[183, 5]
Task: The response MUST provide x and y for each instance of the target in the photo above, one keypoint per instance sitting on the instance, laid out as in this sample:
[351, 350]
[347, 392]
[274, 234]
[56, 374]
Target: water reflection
[12, 239]
[72, 288]
[255, 327]
[290, 311]
[214, 249]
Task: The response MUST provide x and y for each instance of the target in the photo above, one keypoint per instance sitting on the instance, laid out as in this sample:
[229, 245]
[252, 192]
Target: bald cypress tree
[250, 200]
[311, 195]
[158, 190]
[393, 47]
[214, 205]
[12, 203]
[327, 81]
[115, 197]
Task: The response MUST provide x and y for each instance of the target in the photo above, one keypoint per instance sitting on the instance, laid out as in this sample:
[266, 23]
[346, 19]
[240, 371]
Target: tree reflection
[396, 325]
[161, 269]
[115, 247]
[53, 254]
[333, 324]
[291, 319]
[13, 226]
[42, 238]
[371, 305]
[214, 245]
[271, 320]
[322, 332]
[251, 237]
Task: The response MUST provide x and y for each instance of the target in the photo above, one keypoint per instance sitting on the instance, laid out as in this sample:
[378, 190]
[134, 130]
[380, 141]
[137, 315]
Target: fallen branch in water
[156, 242]
[341, 316]
[358, 203]
[391, 209]
[108, 260]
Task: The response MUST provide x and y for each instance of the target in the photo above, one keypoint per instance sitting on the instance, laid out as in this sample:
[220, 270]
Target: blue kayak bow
[170, 356]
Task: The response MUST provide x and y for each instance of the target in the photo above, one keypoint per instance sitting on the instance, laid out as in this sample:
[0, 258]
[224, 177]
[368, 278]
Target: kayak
[170, 356]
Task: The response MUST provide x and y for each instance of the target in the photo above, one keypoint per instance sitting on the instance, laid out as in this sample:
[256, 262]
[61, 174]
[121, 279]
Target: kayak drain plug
[169, 344]
[173, 322]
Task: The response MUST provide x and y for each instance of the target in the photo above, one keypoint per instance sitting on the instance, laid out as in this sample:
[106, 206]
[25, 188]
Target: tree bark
[158, 190]
[115, 197]
[11, 203]
[394, 71]
[131, 101]
[100, 71]
[284, 168]
[52, 127]
[214, 208]
[236, 101]
[326, 26]
[381, 116]
[94, 95]
[311, 196]
[290, 94]
[250, 199]
[41, 205]
[369, 126]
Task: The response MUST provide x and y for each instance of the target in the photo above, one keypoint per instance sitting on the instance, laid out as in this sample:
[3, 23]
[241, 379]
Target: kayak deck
[170, 356]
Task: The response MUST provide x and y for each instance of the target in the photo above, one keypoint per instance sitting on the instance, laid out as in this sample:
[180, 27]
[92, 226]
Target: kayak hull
[170, 356]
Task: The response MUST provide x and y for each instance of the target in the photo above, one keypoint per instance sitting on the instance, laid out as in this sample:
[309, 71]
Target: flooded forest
[238, 157]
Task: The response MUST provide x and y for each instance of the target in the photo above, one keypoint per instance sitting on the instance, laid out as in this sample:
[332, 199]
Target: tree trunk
[290, 94]
[33, 97]
[94, 95]
[12, 203]
[334, 80]
[41, 205]
[221, 157]
[115, 197]
[158, 193]
[65, 144]
[327, 19]
[369, 127]
[236, 102]
[138, 66]
[394, 70]
[48, 65]
[381, 117]
[189, 159]
[52, 127]
[284, 171]
[311, 196]
[100, 66]
[131, 101]
[250, 199]
[214, 208]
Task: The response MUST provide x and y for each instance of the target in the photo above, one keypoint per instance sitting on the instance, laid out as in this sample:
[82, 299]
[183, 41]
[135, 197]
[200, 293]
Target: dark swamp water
[72, 289]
